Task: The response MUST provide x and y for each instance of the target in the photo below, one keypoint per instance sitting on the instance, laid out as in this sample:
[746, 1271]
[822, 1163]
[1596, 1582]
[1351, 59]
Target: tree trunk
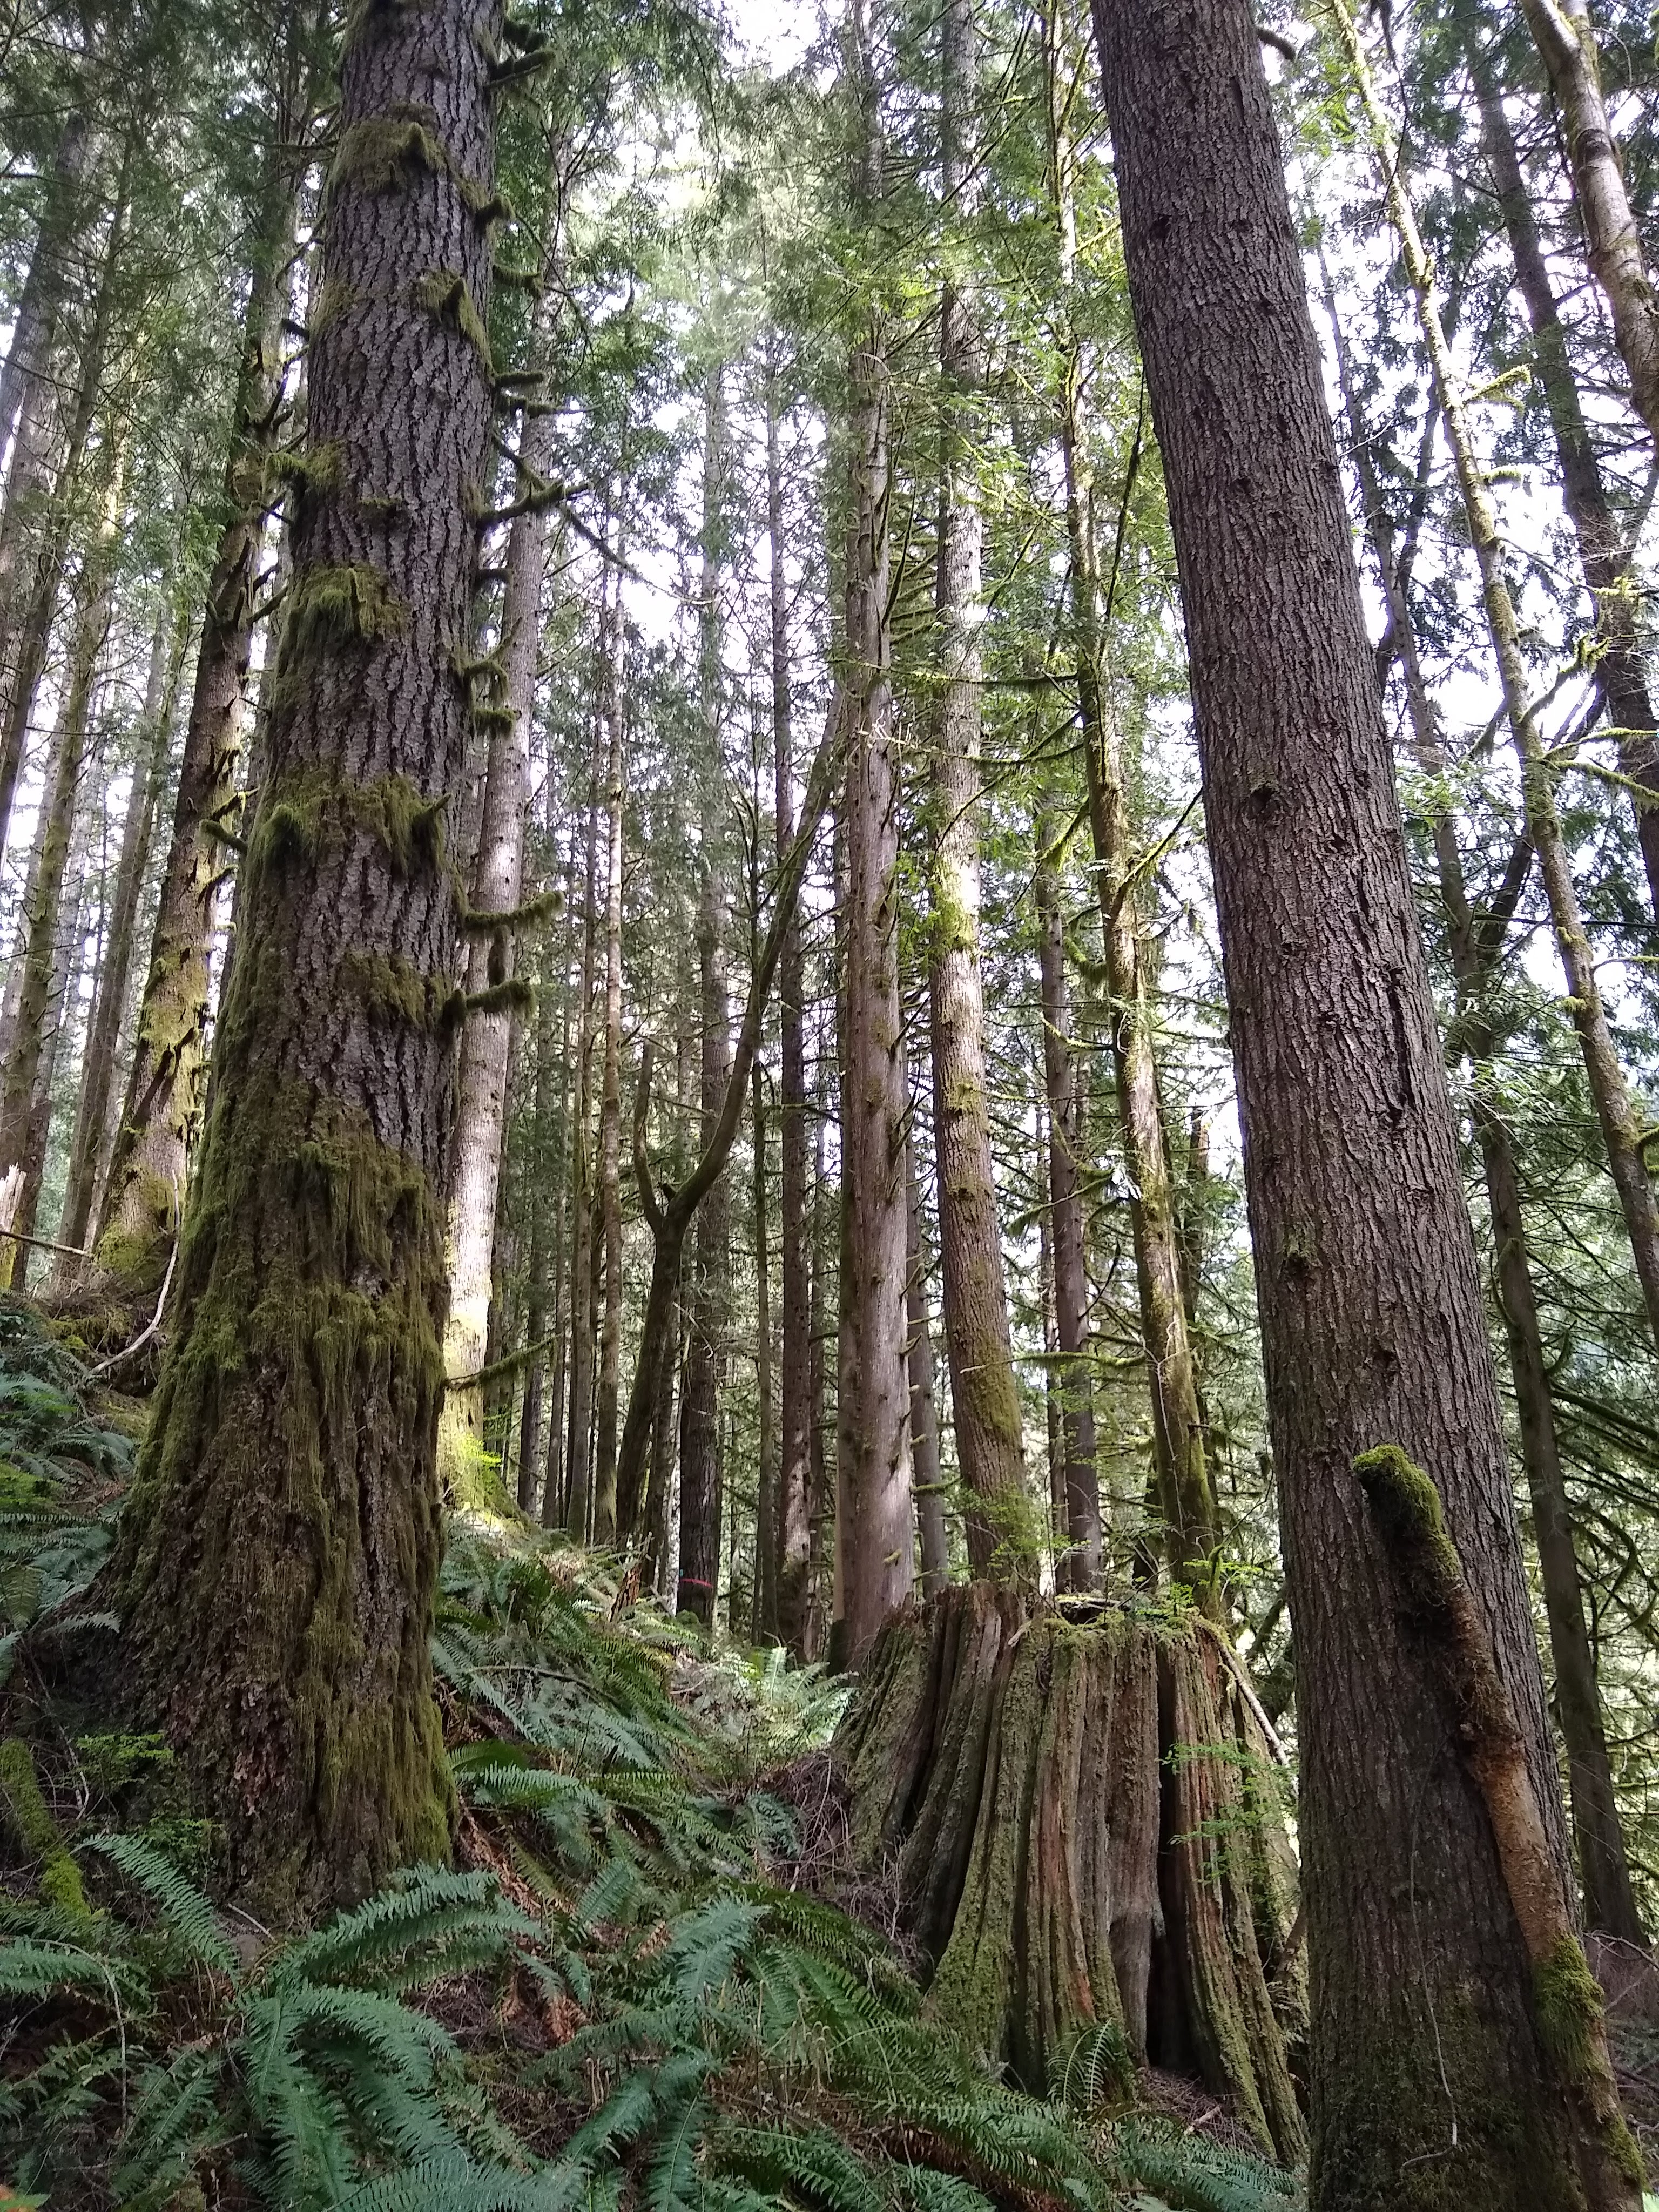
[766, 1476]
[1367, 1287]
[542, 1181]
[278, 1557]
[1080, 1816]
[1620, 672]
[1565, 37]
[97, 1073]
[985, 1404]
[875, 1535]
[1615, 1110]
[139, 1217]
[794, 1508]
[22, 1133]
[552, 1500]
[1076, 1412]
[1185, 1500]
[610, 1389]
[28, 405]
[700, 1437]
[28, 601]
[578, 1441]
[820, 1483]
[1609, 1901]
[926, 1479]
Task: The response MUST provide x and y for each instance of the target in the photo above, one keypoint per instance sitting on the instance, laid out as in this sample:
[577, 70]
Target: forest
[828, 1106]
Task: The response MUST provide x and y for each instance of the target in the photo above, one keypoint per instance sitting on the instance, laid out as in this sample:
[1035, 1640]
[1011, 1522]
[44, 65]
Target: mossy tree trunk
[927, 1481]
[278, 1557]
[1431, 2084]
[1080, 1568]
[148, 1168]
[1084, 1831]
[1181, 1486]
[875, 1537]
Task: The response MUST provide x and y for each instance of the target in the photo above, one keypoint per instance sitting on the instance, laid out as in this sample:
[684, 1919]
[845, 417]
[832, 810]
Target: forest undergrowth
[627, 1989]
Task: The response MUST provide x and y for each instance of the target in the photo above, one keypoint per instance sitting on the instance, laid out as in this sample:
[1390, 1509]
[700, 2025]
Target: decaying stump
[1076, 1806]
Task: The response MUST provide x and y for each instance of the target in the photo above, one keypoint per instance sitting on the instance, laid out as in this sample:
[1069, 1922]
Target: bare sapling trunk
[278, 1560]
[1368, 1290]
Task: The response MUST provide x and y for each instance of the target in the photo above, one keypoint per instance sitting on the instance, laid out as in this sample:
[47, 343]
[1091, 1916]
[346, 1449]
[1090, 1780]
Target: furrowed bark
[1431, 2086]
[278, 1557]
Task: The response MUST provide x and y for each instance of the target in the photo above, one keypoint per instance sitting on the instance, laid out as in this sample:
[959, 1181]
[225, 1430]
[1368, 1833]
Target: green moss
[1408, 1511]
[315, 468]
[335, 605]
[443, 294]
[511, 996]
[35, 1831]
[395, 989]
[477, 923]
[307, 812]
[1567, 2006]
[335, 297]
[390, 152]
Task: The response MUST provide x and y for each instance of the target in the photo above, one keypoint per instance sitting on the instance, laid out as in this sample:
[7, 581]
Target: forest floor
[652, 1977]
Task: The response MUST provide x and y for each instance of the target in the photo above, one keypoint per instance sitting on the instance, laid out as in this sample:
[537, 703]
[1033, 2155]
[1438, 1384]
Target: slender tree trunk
[164, 1097]
[610, 1389]
[23, 1137]
[578, 1442]
[552, 1500]
[278, 1556]
[877, 1535]
[766, 1477]
[1563, 35]
[821, 1489]
[794, 1507]
[1614, 1109]
[926, 1479]
[1080, 1478]
[538, 1198]
[1620, 672]
[28, 405]
[1372, 1328]
[1185, 1499]
[27, 620]
[700, 1437]
[505, 704]
[984, 1394]
[98, 1075]
[1609, 1901]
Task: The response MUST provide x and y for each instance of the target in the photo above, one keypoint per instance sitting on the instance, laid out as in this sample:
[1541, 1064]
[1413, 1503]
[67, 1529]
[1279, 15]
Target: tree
[277, 1558]
[1372, 1333]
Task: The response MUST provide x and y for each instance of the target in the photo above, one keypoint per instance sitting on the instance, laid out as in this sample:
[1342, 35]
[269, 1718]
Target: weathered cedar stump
[1072, 1805]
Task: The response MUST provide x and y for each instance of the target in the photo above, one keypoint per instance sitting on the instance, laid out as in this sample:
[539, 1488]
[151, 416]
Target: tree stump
[1076, 1808]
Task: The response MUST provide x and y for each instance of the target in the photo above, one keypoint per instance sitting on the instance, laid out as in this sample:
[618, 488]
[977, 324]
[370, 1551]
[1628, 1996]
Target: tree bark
[988, 1420]
[1079, 1475]
[701, 1470]
[148, 1169]
[1609, 1900]
[610, 1380]
[505, 704]
[579, 1442]
[98, 1074]
[875, 1535]
[765, 1474]
[1367, 1287]
[1184, 1496]
[927, 1481]
[1620, 672]
[795, 1408]
[23, 1125]
[1562, 32]
[278, 1556]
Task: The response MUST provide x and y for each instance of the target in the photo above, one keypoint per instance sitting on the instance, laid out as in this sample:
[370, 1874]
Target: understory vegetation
[628, 1990]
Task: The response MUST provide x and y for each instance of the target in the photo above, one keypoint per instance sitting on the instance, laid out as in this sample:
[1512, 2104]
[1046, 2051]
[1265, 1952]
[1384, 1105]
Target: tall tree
[875, 1539]
[279, 1553]
[1373, 1335]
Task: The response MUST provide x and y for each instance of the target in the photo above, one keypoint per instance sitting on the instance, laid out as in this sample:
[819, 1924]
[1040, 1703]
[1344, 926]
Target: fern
[190, 1917]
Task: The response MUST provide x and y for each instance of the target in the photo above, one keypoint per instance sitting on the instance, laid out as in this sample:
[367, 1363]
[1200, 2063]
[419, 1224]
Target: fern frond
[190, 1917]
